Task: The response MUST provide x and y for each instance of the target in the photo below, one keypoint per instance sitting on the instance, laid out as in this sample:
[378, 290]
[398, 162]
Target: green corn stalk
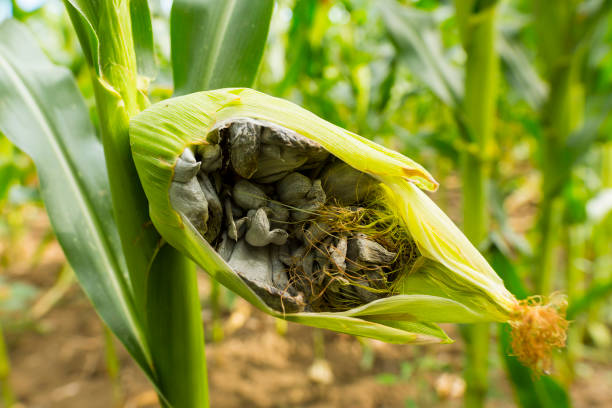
[604, 244]
[601, 282]
[450, 282]
[559, 118]
[478, 34]
[577, 236]
[606, 166]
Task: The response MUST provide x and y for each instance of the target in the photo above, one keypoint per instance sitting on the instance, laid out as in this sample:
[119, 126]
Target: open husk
[314, 224]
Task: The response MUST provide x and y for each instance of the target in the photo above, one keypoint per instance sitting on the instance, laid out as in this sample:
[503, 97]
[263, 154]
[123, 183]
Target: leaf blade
[419, 44]
[142, 30]
[202, 32]
[42, 99]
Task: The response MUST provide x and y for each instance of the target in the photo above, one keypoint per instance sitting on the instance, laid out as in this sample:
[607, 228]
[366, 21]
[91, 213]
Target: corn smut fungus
[320, 226]
[304, 230]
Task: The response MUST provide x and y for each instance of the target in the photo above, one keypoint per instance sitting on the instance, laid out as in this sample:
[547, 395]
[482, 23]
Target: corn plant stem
[318, 344]
[549, 227]
[555, 118]
[559, 37]
[117, 99]
[602, 238]
[576, 236]
[8, 396]
[44, 304]
[602, 268]
[478, 35]
[178, 330]
[281, 327]
[602, 243]
[559, 116]
[177, 337]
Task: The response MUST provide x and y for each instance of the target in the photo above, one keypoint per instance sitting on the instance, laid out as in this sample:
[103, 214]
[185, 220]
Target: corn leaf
[520, 72]
[419, 45]
[84, 11]
[216, 43]
[596, 293]
[299, 36]
[142, 31]
[43, 113]
[88, 13]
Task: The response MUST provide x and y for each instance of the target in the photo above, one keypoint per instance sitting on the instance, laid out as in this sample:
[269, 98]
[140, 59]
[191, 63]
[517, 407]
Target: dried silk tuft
[538, 328]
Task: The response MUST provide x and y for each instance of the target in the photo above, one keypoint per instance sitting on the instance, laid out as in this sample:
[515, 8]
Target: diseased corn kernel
[301, 244]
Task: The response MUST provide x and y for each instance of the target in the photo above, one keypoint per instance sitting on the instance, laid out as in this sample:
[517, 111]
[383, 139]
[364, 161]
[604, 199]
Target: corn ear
[450, 282]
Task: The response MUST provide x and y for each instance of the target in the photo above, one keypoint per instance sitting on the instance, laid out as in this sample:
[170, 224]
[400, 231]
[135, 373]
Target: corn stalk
[477, 28]
[559, 117]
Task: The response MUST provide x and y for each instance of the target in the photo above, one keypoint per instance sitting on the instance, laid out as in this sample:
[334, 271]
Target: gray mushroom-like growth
[289, 218]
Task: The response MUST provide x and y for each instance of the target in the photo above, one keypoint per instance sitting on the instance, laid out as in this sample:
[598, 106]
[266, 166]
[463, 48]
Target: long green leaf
[85, 12]
[43, 113]
[217, 44]
[596, 293]
[142, 31]
[531, 391]
[418, 41]
[520, 72]
[299, 55]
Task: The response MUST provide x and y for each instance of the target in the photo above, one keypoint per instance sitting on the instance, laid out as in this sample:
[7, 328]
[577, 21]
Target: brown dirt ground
[59, 361]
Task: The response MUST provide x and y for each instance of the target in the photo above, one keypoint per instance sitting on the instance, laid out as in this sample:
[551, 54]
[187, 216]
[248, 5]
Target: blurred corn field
[506, 103]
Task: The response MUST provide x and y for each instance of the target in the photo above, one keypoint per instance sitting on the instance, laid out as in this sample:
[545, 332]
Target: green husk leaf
[454, 283]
